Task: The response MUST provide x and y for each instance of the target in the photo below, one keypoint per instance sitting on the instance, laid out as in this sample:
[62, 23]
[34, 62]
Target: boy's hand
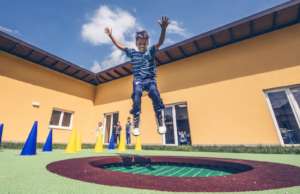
[108, 31]
[164, 22]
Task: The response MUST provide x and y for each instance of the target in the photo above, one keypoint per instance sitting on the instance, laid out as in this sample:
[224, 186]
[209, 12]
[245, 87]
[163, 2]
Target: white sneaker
[136, 132]
[162, 130]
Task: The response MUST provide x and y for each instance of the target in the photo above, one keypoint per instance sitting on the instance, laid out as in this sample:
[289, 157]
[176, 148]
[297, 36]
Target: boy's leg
[158, 106]
[136, 106]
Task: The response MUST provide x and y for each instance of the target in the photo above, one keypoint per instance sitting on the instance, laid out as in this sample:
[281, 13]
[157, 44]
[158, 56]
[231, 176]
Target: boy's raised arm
[119, 45]
[164, 22]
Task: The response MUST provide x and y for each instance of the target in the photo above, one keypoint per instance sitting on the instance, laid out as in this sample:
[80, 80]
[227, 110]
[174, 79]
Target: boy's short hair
[141, 34]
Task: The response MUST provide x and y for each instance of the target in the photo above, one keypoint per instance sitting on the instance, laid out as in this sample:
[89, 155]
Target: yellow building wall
[223, 89]
[23, 82]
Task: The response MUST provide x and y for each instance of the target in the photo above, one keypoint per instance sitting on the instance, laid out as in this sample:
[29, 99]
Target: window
[61, 119]
[177, 124]
[285, 108]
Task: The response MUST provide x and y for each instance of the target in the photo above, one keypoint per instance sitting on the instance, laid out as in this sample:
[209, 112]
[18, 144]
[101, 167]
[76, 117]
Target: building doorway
[110, 120]
[177, 124]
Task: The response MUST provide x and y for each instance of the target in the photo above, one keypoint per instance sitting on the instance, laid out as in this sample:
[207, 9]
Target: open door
[110, 119]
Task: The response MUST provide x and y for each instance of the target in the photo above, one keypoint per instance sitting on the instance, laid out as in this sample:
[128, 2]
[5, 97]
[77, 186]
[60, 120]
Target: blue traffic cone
[1, 131]
[48, 144]
[112, 145]
[29, 147]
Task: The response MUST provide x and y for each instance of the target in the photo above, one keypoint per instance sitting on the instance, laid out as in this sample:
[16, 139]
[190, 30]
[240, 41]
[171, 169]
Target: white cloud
[115, 58]
[177, 28]
[96, 67]
[8, 30]
[124, 26]
[121, 22]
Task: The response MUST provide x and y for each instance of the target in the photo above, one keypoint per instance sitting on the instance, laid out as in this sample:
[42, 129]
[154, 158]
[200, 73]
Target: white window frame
[59, 126]
[293, 104]
[111, 126]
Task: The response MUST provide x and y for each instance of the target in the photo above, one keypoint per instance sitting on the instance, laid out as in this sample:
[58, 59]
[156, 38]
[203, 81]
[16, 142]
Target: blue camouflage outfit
[144, 73]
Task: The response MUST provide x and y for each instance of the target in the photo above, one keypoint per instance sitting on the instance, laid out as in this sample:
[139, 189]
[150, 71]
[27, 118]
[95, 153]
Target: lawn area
[28, 175]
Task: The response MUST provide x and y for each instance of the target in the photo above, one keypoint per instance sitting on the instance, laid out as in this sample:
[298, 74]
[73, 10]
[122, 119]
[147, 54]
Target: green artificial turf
[28, 175]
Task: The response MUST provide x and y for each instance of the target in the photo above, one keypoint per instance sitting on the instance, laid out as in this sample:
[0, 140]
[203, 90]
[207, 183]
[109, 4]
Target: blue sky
[73, 30]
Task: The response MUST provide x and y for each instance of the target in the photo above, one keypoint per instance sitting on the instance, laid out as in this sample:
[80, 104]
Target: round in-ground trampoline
[179, 174]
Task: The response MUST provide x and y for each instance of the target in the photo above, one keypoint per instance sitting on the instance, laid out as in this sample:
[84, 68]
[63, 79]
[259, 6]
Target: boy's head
[142, 40]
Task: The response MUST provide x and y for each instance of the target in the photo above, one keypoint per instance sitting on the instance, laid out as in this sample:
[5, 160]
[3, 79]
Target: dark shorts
[150, 86]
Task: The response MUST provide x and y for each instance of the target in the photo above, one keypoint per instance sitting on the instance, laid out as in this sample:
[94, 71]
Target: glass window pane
[107, 128]
[55, 117]
[285, 117]
[296, 94]
[66, 122]
[169, 136]
[183, 128]
[115, 118]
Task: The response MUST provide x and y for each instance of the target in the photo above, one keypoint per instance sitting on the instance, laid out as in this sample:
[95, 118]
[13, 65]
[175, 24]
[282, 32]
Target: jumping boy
[144, 74]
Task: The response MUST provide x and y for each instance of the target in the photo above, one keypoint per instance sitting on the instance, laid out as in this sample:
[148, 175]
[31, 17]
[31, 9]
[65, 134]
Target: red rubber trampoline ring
[258, 176]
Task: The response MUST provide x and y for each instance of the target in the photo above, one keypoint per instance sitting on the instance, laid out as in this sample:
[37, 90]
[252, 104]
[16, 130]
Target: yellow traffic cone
[99, 143]
[138, 145]
[78, 142]
[71, 147]
[122, 143]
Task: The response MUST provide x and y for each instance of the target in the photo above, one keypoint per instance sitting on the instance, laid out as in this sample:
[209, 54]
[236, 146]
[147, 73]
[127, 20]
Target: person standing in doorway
[128, 127]
[99, 129]
[117, 129]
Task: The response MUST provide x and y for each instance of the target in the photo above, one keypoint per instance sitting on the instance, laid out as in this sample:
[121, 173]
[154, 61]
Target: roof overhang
[263, 22]
[31, 53]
